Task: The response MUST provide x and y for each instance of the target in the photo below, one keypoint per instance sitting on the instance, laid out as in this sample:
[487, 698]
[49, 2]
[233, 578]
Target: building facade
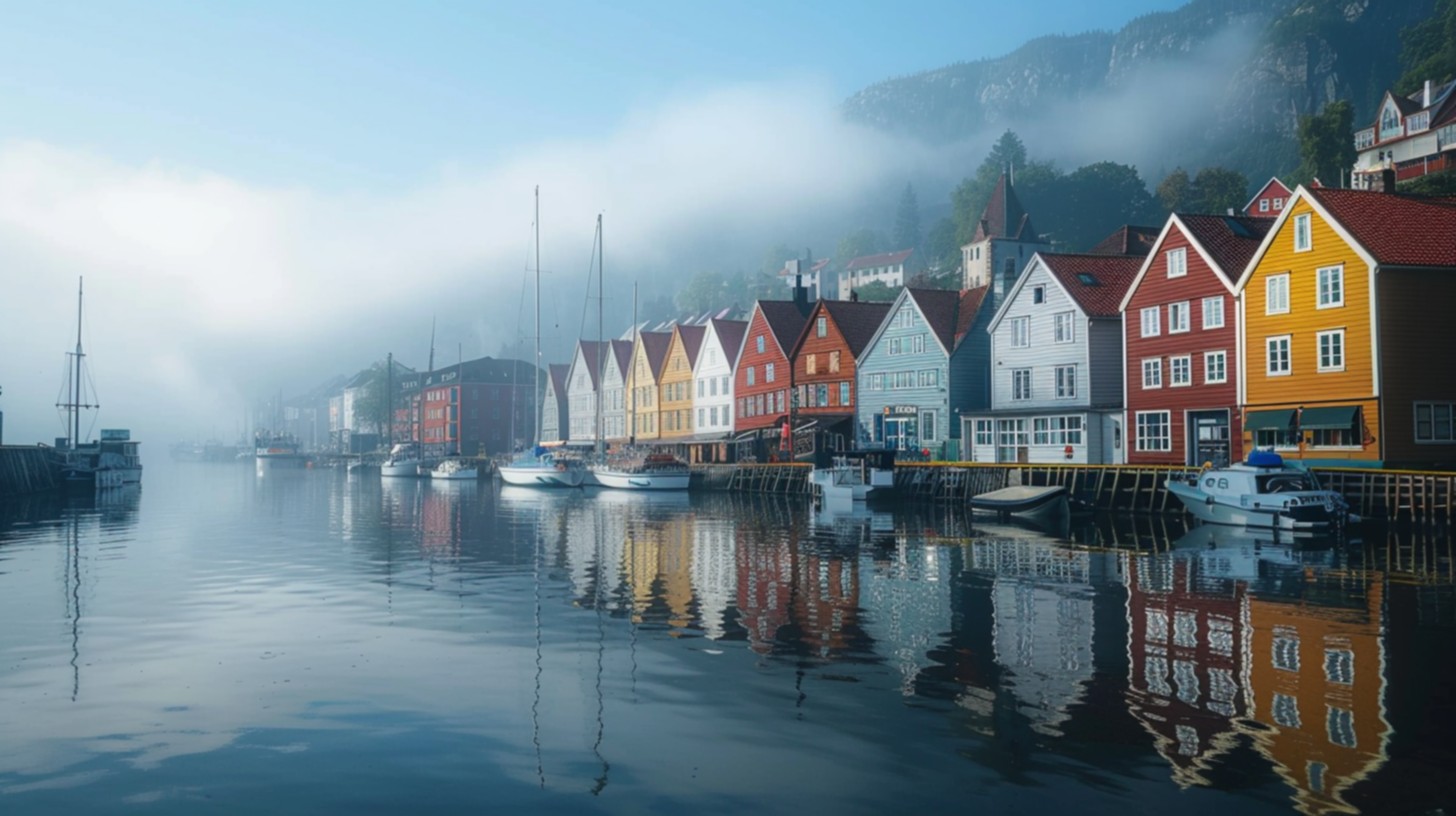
[823, 360]
[713, 378]
[676, 388]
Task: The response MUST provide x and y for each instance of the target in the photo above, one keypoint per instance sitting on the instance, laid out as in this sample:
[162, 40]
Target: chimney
[1426, 97]
[801, 295]
[1382, 182]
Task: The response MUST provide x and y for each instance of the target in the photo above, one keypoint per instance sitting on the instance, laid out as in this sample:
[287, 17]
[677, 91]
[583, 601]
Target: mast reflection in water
[317, 641]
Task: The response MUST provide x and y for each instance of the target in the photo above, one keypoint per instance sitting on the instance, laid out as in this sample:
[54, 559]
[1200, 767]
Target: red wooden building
[762, 380]
[1180, 342]
[835, 334]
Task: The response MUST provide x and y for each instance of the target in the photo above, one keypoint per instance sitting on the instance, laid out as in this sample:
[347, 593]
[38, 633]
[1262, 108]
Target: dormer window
[1390, 125]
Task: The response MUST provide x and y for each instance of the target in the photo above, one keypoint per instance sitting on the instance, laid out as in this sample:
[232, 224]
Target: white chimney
[1426, 99]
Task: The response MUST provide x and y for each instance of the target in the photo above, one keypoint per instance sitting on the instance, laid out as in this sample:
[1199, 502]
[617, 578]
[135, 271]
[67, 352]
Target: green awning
[1329, 417]
[1280, 420]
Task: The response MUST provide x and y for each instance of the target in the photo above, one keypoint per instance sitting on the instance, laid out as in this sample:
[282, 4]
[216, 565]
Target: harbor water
[315, 641]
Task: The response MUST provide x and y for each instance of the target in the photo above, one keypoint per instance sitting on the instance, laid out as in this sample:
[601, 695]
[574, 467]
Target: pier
[26, 469]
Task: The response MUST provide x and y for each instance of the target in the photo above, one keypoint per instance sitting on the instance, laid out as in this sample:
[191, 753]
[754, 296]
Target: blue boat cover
[1260, 458]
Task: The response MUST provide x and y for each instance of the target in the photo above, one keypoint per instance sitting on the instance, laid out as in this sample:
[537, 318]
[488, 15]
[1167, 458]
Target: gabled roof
[558, 372]
[1274, 186]
[692, 341]
[590, 351]
[938, 307]
[654, 345]
[971, 302]
[784, 322]
[1096, 282]
[622, 351]
[881, 259]
[1004, 217]
[858, 322]
[1225, 242]
[1397, 230]
[730, 337]
[1127, 240]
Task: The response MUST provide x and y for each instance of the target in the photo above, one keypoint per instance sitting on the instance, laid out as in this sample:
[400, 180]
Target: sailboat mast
[536, 361]
[76, 396]
[601, 365]
[633, 423]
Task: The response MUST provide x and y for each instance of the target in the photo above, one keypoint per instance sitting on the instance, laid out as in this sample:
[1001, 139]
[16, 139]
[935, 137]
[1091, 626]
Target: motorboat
[1037, 504]
[455, 470]
[656, 471]
[854, 478]
[542, 468]
[404, 460]
[1262, 492]
[278, 451]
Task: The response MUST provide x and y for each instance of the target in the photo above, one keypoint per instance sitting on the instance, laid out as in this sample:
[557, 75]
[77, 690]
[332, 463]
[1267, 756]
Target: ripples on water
[317, 642]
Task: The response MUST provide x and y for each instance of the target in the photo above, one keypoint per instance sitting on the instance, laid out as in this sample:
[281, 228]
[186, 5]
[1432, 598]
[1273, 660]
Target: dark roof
[1399, 230]
[591, 351]
[1097, 282]
[558, 378]
[938, 307]
[970, 305]
[482, 370]
[1004, 216]
[881, 259]
[1230, 240]
[655, 345]
[1127, 240]
[784, 320]
[692, 340]
[730, 334]
[857, 321]
[622, 350]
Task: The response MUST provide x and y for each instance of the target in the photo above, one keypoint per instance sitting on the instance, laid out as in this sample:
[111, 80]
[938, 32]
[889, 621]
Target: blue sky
[371, 94]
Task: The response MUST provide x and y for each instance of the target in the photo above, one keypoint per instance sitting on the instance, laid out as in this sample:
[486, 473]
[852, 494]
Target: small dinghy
[1037, 503]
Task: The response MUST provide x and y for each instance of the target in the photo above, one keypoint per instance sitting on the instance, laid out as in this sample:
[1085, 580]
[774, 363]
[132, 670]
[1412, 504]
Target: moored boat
[855, 478]
[656, 471]
[1262, 492]
[542, 468]
[278, 451]
[404, 460]
[455, 470]
[1038, 504]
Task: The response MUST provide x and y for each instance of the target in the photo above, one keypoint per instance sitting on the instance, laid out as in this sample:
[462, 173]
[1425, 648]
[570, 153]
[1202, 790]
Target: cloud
[204, 288]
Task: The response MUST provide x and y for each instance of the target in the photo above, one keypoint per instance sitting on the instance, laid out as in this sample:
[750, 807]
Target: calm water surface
[314, 642]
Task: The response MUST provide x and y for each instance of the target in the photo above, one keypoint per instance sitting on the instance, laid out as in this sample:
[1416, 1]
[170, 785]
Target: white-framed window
[1020, 332]
[1154, 431]
[1066, 379]
[877, 382]
[1302, 240]
[1021, 384]
[1340, 723]
[1180, 370]
[1178, 317]
[897, 346]
[1331, 346]
[1213, 312]
[758, 343]
[1263, 205]
[1177, 262]
[768, 373]
[1278, 203]
[1153, 373]
[821, 327]
[927, 427]
[750, 375]
[1331, 287]
[1286, 710]
[1038, 294]
[1276, 294]
[983, 432]
[1276, 356]
[917, 344]
[1056, 430]
[1063, 327]
[1149, 322]
[1434, 422]
[1215, 367]
[1340, 666]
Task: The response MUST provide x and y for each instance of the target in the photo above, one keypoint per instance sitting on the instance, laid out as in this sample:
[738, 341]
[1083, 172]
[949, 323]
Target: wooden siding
[1043, 355]
[1157, 289]
[710, 391]
[752, 358]
[970, 366]
[880, 364]
[675, 391]
[581, 399]
[1303, 321]
[614, 397]
[822, 349]
[1104, 349]
[642, 402]
[1415, 321]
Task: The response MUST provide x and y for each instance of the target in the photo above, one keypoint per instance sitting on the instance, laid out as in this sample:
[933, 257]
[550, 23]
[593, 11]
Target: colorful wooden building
[824, 388]
[1345, 309]
[675, 389]
[762, 379]
[1180, 337]
[644, 376]
[583, 382]
[555, 418]
[713, 378]
[615, 368]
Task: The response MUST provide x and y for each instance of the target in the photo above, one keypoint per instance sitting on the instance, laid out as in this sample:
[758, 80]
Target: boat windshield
[1285, 483]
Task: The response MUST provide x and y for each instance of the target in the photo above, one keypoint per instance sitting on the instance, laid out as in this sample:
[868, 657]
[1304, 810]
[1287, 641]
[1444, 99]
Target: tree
[707, 290]
[863, 241]
[1326, 144]
[1175, 191]
[907, 220]
[942, 253]
[371, 400]
[1087, 204]
[877, 292]
[1217, 189]
[1428, 49]
[969, 199]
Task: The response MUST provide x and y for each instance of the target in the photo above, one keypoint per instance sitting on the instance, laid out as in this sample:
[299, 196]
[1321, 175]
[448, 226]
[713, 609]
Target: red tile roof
[857, 321]
[1127, 240]
[970, 306]
[730, 334]
[1398, 230]
[1109, 276]
[1004, 217]
[1230, 240]
[882, 259]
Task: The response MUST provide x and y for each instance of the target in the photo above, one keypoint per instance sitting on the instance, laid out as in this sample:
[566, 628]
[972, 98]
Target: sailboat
[540, 467]
[112, 460]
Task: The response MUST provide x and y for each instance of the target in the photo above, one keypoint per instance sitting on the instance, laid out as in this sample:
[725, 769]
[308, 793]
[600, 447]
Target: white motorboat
[1041, 504]
[657, 471]
[404, 460]
[455, 470]
[854, 478]
[278, 452]
[542, 468]
[1262, 492]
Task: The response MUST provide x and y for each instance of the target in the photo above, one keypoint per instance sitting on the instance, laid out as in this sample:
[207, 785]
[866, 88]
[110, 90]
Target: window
[1331, 287]
[983, 432]
[1038, 294]
[1286, 649]
[1331, 350]
[927, 378]
[822, 394]
[1276, 356]
[1178, 317]
[1150, 322]
[1215, 366]
[1153, 373]
[1213, 312]
[758, 341]
[1063, 329]
[1020, 332]
[811, 364]
[917, 344]
[768, 374]
[1340, 666]
[1263, 205]
[703, 384]
[726, 386]
[1434, 421]
[750, 375]
[1177, 262]
[897, 346]
[1154, 431]
[877, 382]
[1341, 725]
[821, 327]
[1278, 203]
[1302, 240]
[833, 362]
[1286, 711]
[1180, 370]
[844, 393]
[1276, 293]
[1057, 430]
[1066, 378]
[1021, 384]
[927, 426]
[702, 412]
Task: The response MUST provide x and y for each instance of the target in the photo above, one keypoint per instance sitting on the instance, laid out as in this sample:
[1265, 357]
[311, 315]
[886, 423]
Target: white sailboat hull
[534, 476]
[627, 480]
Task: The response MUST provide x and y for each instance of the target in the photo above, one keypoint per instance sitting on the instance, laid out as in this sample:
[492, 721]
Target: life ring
[561, 466]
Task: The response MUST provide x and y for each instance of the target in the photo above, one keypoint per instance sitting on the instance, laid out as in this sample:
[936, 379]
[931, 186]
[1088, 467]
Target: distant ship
[278, 451]
[111, 461]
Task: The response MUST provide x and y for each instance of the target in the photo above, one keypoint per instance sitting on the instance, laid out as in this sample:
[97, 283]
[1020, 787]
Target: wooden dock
[26, 469]
[786, 478]
[1139, 488]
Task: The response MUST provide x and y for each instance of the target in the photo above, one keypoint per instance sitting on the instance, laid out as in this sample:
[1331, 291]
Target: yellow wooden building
[643, 378]
[675, 387]
[1340, 311]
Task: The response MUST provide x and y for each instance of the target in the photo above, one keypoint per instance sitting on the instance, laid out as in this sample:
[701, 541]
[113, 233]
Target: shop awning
[1329, 417]
[1279, 420]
